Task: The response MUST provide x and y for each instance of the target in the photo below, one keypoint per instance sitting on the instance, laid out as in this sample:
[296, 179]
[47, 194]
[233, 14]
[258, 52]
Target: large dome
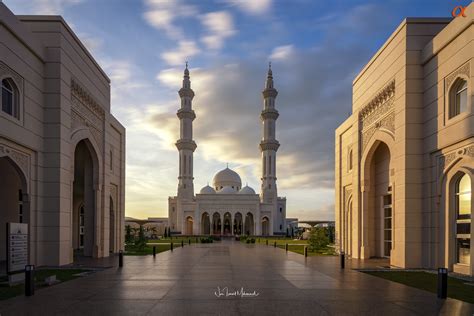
[227, 178]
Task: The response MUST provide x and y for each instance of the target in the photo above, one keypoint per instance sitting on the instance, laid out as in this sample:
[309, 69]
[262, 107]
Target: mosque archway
[265, 226]
[84, 199]
[249, 224]
[216, 224]
[189, 226]
[205, 224]
[227, 224]
[14, 203]
[237, 229]
[378, 223]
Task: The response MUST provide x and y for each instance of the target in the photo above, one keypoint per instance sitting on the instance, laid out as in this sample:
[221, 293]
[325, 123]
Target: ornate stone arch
[84, 133]
[452, 160]
[445, 205]
[380, 136]
[20, 161]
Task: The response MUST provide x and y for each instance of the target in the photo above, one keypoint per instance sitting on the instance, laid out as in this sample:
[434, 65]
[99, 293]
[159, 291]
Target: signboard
[17, 247]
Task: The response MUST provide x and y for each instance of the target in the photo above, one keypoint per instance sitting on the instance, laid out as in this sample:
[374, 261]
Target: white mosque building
[227, 208]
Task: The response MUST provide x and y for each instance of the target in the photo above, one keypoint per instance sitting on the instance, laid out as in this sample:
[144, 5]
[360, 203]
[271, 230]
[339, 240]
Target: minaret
[185, 143]
[269, 145]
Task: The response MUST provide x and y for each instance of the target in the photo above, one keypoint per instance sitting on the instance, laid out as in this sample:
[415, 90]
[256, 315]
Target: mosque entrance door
[238, 224]
[227, 224]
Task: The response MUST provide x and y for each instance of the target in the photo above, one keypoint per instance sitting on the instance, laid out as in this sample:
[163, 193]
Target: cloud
[46, 7]
[255, 7]
[185, 50]
[282, 52]
[92, 43]
[162, 15]
[219, 26]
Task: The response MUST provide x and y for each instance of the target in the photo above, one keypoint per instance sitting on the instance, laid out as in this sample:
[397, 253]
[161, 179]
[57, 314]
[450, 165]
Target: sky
[316, 49]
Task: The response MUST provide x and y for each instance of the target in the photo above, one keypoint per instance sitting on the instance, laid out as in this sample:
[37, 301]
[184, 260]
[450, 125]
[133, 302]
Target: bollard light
[189, 242]
[286, 247]
[267, 242]
[274, 244]
[442, 283]
[29, 280]
[182, 243]
[154, 251]
[171, 246]
[305, 251]
[121, 258]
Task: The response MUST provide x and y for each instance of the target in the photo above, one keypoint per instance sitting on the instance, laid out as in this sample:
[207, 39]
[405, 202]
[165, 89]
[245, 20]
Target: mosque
[227, 208]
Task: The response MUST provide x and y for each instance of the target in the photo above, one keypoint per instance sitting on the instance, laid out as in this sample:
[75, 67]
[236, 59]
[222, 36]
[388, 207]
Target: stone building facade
[62, 153]
[405, 157]
[227, 208]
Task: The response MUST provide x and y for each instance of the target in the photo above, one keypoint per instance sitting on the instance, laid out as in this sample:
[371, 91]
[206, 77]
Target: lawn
[295, 245]
[62, 275]
[329, 251]
[132, 250]
[457, 288]
[280, 241]
[175, 240]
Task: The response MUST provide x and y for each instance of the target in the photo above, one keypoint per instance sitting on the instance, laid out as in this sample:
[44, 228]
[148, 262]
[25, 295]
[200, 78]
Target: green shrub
[318, 239]
[207, 240]
[250, 240]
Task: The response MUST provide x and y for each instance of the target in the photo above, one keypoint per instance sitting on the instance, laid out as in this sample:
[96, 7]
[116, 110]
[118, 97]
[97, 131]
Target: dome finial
[186, 70]
[270, 69]
[227, 165]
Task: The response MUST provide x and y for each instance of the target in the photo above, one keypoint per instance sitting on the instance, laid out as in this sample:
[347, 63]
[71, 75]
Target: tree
[318, 239]
[128, 234]
[153, 232]
[140, 243]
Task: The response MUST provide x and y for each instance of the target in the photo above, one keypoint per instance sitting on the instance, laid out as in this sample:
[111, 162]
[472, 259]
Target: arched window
[10, 98]
[458, 98]
[463, 195]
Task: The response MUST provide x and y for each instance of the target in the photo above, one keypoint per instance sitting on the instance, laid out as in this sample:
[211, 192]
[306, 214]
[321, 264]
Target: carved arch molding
[86, 112]
[20, 158]
[378, 114]
[445, 160]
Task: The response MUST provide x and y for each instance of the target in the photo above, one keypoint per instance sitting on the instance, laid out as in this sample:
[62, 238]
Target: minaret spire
[185, 143]
[269, 145]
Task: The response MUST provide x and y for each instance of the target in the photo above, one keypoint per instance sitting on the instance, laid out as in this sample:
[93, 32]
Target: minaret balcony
[186, 113]
[270, 92]
[269, 114]
[269, 144]
[186, 92]
[186, 144]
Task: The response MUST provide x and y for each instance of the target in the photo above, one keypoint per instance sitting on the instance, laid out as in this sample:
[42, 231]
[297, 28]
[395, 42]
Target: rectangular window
[387, 225]
[464, 251]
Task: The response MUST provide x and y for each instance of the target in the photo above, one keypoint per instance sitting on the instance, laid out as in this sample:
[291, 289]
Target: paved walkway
[186, 281]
